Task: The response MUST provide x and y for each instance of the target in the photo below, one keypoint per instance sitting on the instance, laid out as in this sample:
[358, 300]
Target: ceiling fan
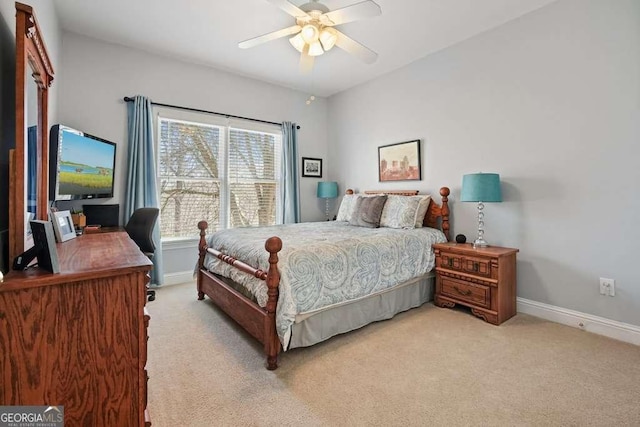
[314, 32]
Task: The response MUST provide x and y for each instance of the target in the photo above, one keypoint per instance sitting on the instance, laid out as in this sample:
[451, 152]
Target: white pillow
[348, 203]
[422, 209]
[400, 212]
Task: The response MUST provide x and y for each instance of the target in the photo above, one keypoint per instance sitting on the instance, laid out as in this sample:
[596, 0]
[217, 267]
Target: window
[222, 171]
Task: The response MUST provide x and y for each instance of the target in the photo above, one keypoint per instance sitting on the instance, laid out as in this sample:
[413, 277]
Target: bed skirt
[312, 328]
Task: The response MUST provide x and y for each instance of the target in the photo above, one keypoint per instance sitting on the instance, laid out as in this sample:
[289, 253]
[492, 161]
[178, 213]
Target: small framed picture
[63, 225]
[311, 167]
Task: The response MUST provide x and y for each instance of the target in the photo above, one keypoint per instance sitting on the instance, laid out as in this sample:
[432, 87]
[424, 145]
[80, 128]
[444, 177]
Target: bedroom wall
[97, 75]
[48, 21]
[551, 101]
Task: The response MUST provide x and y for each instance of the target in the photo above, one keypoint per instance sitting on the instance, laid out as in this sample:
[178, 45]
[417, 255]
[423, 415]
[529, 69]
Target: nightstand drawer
[473, 265]
[477, 266]
[479, 295]
[452, 261]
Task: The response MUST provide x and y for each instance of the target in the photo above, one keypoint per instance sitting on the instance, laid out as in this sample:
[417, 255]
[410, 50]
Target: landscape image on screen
[85, 166]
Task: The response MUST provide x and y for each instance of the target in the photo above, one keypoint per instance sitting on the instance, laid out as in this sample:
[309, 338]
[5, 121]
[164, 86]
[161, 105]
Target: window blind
[228, 176]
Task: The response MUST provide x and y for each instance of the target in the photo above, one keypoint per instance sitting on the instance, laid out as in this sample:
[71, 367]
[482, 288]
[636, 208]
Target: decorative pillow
[367, 211]
[422, 209]
[346, 207]
[400, 212]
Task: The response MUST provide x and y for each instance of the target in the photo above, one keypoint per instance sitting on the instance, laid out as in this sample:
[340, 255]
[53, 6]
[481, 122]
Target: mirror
[31, 149]
[29, 186]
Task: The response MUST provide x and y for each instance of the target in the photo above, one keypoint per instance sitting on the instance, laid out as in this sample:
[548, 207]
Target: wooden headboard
[434, 211]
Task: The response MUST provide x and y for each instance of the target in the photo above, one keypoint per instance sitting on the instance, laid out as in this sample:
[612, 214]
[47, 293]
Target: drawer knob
[466, 293]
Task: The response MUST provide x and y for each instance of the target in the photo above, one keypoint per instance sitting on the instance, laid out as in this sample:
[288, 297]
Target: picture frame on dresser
[63, 225]
[400, 162]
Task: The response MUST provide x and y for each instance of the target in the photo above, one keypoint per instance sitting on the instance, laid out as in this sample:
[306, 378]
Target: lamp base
[480, 243]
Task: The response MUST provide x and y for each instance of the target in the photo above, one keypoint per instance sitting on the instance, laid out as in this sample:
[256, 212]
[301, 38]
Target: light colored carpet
[428, 366]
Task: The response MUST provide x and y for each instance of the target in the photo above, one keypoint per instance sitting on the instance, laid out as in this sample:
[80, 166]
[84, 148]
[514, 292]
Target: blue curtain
[290, 183]
[142, 189]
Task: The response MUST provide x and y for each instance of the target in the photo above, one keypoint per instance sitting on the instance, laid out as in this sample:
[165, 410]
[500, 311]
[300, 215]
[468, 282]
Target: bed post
[202, 248]
[272, 342]
[444, 210]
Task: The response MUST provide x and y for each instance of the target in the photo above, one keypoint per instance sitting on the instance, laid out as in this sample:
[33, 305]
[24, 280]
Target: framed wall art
[311, 167]
[399, 162]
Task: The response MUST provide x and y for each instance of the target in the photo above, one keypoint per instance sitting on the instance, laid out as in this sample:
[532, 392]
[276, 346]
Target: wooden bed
[261, 322]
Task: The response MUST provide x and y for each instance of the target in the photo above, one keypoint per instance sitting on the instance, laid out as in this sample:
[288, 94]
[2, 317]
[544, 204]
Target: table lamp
[481, 188]
[327, 190]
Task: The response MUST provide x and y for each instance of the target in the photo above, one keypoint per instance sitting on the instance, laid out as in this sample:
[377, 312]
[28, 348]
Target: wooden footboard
[259, 322]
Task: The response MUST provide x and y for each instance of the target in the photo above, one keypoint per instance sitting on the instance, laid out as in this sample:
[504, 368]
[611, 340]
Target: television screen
[82, 165]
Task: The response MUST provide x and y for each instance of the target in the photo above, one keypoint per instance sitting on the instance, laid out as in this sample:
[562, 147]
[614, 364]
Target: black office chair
[140, 229]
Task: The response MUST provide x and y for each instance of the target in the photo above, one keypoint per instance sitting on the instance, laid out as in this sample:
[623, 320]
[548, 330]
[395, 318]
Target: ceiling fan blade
[353, 47]
[306, 61]
[365, 9]
[290, 8]
[268, 37]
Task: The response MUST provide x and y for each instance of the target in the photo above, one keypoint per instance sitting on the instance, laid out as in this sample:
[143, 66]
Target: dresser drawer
[479, 295]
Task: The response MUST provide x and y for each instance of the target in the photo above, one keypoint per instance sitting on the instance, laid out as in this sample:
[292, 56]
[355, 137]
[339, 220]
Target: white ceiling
[208, 31]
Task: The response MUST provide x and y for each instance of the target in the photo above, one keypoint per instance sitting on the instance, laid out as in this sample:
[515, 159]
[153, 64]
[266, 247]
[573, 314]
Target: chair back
[140, 228]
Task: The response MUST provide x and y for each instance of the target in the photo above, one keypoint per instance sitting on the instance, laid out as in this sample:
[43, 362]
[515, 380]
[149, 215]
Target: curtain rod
[197, 110]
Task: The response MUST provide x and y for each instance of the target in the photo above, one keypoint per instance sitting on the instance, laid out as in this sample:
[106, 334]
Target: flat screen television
[81, 165]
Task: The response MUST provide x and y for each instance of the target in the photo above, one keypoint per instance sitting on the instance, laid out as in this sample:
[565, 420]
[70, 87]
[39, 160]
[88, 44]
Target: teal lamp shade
[327, 190]
[480, 187]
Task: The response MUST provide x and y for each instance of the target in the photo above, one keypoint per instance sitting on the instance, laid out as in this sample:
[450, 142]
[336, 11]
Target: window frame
[226, 124]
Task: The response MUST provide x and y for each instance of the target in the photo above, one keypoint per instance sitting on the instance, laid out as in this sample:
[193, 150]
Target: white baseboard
[178, 278]
[598, 325]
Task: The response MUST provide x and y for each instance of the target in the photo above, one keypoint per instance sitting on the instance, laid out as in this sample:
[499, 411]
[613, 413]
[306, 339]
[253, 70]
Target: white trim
[598, 325]
[169, 245]
[178, 278]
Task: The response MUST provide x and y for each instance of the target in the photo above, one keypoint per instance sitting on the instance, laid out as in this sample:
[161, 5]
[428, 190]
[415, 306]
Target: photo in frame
[311, 167]
[400, 162]
[45, 244]
[63, 225]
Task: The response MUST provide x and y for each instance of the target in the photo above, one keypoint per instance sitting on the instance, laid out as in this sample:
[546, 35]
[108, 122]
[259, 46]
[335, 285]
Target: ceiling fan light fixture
[298, 42]
[315, 49]
[328, 38]
[314, 32]
[310, 33]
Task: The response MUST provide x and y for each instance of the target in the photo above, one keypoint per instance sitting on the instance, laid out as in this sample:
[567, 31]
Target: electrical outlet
[612, 288]
[607, 287]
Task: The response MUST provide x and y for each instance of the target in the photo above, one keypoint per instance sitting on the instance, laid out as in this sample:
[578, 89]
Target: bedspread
[324, 263]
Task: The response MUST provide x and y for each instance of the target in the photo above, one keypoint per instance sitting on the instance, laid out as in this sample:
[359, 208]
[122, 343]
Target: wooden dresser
[79, 338]
[483, 279]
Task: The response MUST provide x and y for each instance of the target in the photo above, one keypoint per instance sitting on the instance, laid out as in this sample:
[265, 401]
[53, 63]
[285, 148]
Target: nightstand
[483, 279]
